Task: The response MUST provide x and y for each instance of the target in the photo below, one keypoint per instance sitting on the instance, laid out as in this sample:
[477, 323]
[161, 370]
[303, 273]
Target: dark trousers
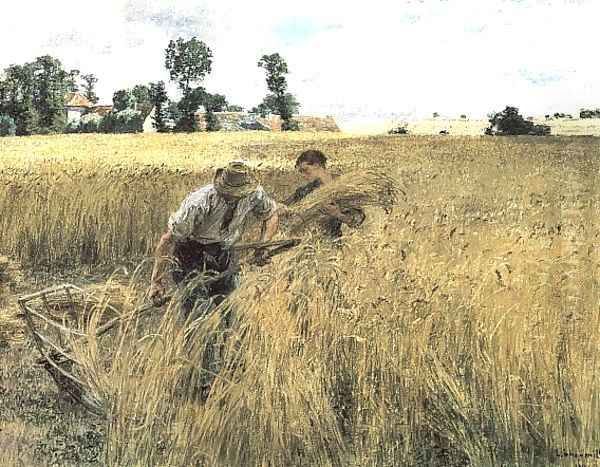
[208, 272]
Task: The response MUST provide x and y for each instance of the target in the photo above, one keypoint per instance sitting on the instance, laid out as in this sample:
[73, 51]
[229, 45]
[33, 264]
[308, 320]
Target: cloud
[184, 19]
[351, 59]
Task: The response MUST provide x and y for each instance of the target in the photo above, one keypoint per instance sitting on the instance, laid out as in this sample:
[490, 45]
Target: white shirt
[201, 213]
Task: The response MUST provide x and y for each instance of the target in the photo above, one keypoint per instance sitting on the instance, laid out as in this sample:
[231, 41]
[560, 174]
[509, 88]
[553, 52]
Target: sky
[357, 61]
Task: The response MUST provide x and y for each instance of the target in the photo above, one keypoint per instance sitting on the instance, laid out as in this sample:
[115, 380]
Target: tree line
[32, 96]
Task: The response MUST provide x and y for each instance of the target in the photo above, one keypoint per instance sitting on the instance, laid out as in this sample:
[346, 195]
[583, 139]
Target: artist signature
[586, 455]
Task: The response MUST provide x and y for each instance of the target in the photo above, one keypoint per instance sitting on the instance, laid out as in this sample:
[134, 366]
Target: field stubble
[462, 329]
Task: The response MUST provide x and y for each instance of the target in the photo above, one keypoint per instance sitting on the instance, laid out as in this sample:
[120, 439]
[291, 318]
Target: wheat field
[461, 329]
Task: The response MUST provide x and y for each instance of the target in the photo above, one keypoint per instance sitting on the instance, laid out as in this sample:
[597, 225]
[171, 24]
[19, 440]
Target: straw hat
[235, 180]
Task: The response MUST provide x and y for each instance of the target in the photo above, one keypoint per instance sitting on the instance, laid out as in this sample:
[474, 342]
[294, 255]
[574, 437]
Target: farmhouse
[76, 105]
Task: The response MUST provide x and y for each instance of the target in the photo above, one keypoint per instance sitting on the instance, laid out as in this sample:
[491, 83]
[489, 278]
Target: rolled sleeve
[264, 205]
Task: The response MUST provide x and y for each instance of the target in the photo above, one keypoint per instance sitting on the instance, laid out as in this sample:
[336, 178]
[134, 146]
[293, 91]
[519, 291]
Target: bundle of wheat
[372, 187]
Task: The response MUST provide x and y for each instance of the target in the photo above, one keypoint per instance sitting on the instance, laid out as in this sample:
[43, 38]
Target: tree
[73, 81]
[141, 97]
[589, 113]
[278, 101]
[235, 108]
[124, 121]
[122, 100]
[511, 122]
[33, 95]
[187, 107]
[49, 88]
[188, 63]
[158, 98]
[89, 87]
[17, 94]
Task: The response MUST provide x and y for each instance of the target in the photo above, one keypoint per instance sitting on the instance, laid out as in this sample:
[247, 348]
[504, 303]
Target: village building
[76, 105]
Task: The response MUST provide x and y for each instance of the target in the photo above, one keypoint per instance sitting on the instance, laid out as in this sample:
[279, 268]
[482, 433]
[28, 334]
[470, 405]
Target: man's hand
[332, 210]
[261, 257]
[157, 293]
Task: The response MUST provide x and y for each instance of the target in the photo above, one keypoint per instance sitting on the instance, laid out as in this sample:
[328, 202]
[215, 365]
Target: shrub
[7, 126]
[589, 113]
[125, 121]
[90, 123]
[290, 125]
[72, 126]
[212, 122]
[511, 122]
[398, 130]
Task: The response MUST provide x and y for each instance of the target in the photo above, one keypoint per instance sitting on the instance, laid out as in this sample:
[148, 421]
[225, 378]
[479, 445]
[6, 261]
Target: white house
[75, 106]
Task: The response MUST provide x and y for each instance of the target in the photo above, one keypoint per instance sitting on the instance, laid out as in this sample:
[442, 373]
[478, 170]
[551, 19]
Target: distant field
[462, 329]
[467, 127]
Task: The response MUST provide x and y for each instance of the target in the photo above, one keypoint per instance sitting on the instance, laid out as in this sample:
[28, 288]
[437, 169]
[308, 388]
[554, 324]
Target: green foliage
[276, 69]
[235, 108]
[278, 101]
[17, 92]
[212, 122]
[33, 95]
[89, 87]
[90, 123]
[141, 97]
[123, 100]
[73, 81]
[50, 86]
[510, 122]
[124, 121]
[273, 104]
[398, 130]
[589, 113]
[188, 63]
[214, 102]
[7, 126]
[159, 99]
[187, 107]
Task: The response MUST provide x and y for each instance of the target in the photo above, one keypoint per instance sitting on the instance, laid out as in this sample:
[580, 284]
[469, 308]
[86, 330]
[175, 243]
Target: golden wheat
[463, 328]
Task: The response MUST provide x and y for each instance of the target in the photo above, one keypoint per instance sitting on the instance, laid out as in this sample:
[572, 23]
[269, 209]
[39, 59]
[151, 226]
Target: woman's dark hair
[312, 157]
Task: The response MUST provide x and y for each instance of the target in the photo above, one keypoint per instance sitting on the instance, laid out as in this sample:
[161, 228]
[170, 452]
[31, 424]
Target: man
[312, 165]
[208, 222]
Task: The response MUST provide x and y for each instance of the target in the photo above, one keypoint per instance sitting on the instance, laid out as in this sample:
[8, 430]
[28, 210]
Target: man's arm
[352, 217]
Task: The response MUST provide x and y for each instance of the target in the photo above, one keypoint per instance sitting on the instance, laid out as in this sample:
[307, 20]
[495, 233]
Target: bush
[511, 122]
[125, 121]
[589, 113]
[90, 123]
[398, 130]
[290, 125]
[540, 130]
[7, 126]
[72, 126]
[212, 122]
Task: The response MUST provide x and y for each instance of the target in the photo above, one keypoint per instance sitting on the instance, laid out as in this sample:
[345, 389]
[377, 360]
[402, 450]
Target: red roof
[74, 99]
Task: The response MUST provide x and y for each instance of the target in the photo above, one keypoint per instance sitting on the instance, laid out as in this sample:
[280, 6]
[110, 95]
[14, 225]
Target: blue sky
[354, 60]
